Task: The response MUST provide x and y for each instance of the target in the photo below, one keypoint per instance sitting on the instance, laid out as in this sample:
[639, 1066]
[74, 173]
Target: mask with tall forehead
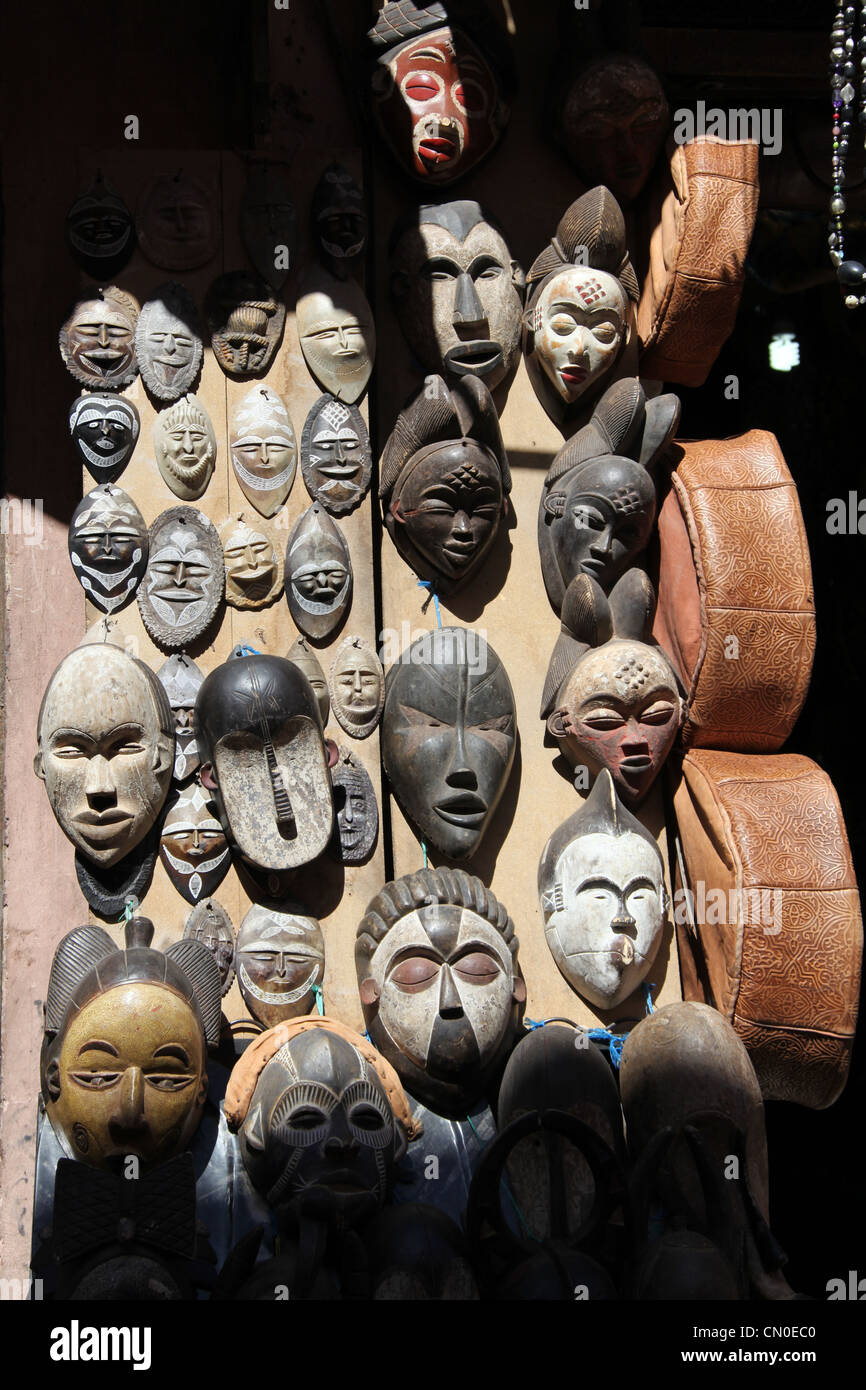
[126, 1038]
[193, 846]
[445, 480]
[105, 750]
[210, 924]
[185, 446]
[269, 222]
[104, 432]
[602, 894]
[339, 220]
[183, 585]
[181, 679]
[99, 229]
[168, 342]
[335, 455]
[176, 222]
[357, 687]
[337, 335]
[458, 292]
[280, 957]
[436, 961]
[612, 121]
[97, 341]
[355, 811]
[438, 101]
[302, 655]
[254, 570]
[318, 573]
[261, 743]
[108, 546]
[263, 449]
[246, 323]
[448, 736]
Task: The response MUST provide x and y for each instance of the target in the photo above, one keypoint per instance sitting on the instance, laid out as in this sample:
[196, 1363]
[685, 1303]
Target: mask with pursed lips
[355, 810]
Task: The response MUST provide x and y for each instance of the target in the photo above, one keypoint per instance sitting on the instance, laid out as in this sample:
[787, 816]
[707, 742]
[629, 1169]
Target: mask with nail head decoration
[105, 750]
[436, 958]
[448, 736]
[181, 679]
[183, 586]
[254, 570]
[168, 342]
[438, 100]
[318, 573]
[357, 687]
[108, 546]
[193, 846]
[269, 222]
[104, 431]
[337, 335]
[302, 655]
[185, 446]
[210, 924]
[335, 455]
[246, 322]
[264, 759]
[176, 222]
[602, 893]
[99, 229]
[339, 220]
[280, 957]
[126, 1038]
[263, 449]
[355, 810]
[97, 341]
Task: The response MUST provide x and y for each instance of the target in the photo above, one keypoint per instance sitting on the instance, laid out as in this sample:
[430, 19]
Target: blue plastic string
[424, 851]
[320, 1006]
[427, 584]
[247, 650]
[615, 1041]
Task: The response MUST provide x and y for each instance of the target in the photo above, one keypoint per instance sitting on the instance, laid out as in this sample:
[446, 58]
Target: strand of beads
[851, 274]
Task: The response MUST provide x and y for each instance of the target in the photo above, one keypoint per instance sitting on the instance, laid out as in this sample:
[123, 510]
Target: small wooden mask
[302, 655]
[335, 455]
[339, 221]
[108, 546]
[177, 224]
[337, 334]
[355, 809]
[246, 323]
[263, 449]
[318, 573]
[269, 224]
[168, 342]
[181, 680]
[280, 957]
[357, 687]
[97, 341]
[99, 230]
[185, 447]
[210, 924]
[193, 846]
[104, 431]
[254, 567]
[183, 586]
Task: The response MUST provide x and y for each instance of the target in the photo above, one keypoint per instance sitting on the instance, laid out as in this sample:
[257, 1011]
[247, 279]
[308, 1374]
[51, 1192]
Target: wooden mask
[99, 230]
[339, 221]
[210, 924]
[181, 680]
[177, 224]
[108, 546]
[263, 449]
[269, 224]
[104, 431]
[318, 573]
[246, 323]
[357, 687]
[193, 846]
[183, 586]
[168, 342]
[436, 958]
[105, 750]
[302, 655]
[355, 810]
[254, 568]
[611, 122]
[337, 334]
[335, 455]
[185, 447]
[280, 957]
[97, 341]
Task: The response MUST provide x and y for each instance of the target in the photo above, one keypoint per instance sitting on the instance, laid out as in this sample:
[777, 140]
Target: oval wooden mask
[108, 546]
[263, 449]
[183, 584]
[355, 810]
[97, 341]
[185, 447]
[181, 678]
[339, 220]
[210, 924]
[193, 846]
[100, 231]
[177, 223]
[337, 334]
[246, 323]
[104, 431]
[168, 342]
[335, 455]
[302, 655]
[357, 687]
[254, 567]
[279, 957]
[318, 573]
[269, 223]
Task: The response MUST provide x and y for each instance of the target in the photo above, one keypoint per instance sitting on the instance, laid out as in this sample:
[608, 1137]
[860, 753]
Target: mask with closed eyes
[183, 586]
[318, 573]
[337, 335]
[104, 431]
[263, 449]
[280, 957]
[108, 546]
[97, 341]
[193, 846]
[168, 342]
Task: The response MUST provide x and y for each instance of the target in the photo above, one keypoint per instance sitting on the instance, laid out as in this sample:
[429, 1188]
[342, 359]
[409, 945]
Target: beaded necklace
[851, 274]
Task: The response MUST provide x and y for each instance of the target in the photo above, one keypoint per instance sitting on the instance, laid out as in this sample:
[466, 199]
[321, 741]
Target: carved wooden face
[447, 505]
[181, 680]
[263, 449]
[335, 455]
[579, 321]
[339, 219]
[131, 1075]
[185, 447]
[302, 656]
[210, 924]
[438, 105]
[355, 809]
[448, 733]
[603, 910]
[280, 957]
[599, 520]
[184, 582]
[357, 687]
[318, 573]
[246, 323]
[193, 845]
[613, 124]
[269, 222]
[338, 338]
[104, 433]
[254, 570]
[108, 546]
[176, 222]
[620, 709]
[97, 341]
[104, 754]
[99, 230]
[167, 342]
[458, 294]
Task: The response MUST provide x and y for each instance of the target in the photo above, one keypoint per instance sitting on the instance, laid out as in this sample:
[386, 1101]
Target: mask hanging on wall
[357, 687]
[109, 890]
[269, 223]
[302, 655]
[335, 455]
[104, 431]
[254, 569]
[339, 221]
[318, 573]
[185, 447]
[177, 223]
[193, 846]
[457, 292]
[601, 887]
[210, 924]
[280, 958]
[355, 810]
[246, 323]
[436, 958]
[181, 679]
[264, 759]
[448, 736]
[108, 546]
[263, 449]
[99, 230]
[124, 1066]
[337, 335]
[97, 341]
[183, 586]
[168, 342]
[438, 100]
[445, 481]
[105, 750]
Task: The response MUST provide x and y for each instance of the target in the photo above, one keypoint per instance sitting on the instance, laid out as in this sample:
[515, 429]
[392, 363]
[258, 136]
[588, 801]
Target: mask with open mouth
[97, 341]
[246, 322]
[280, 958]
[337, 334]
[168, 342]
[318, 573]
[439, 101]
[181, 680]
[104, 431]
[183, 585]
[457, 292]
[99, 230]
[176, 222]
[263, 449]
[355, 810]
[269, 223]
[264, 759]
[339, 220]
[254, 570]
[108, 546]
[185, 446]
[448, 736]
[193, 846]
[335, 455]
